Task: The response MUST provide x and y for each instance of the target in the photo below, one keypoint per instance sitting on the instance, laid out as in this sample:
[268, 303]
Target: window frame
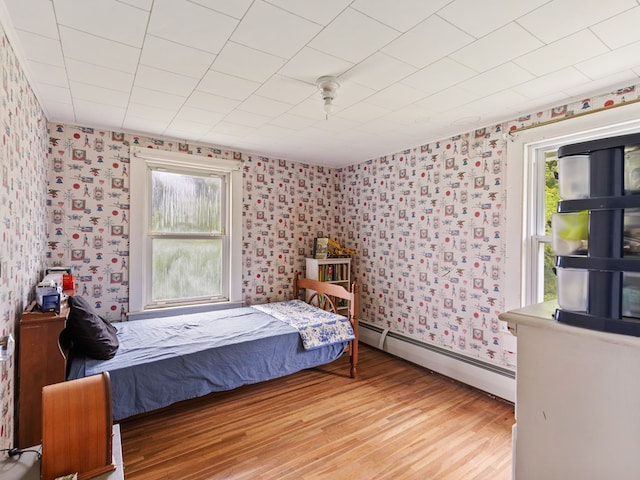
[143, 161]
[521, 276]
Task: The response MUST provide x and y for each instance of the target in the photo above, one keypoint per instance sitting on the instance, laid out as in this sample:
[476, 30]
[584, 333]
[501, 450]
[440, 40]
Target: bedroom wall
[286, 204]
[429, 225]
[23, 168]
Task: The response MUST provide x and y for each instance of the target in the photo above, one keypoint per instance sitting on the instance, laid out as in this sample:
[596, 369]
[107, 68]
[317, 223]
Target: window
[184, 240]
[532, 198]
[544, 201]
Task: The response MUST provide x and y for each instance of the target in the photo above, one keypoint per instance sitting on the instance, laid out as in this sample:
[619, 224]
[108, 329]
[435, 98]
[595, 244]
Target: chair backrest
[77, 426]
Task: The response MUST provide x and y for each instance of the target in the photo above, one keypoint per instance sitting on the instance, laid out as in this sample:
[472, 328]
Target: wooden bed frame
[324, 295]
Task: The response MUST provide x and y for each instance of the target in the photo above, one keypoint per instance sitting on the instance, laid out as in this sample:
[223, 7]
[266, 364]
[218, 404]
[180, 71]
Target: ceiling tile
[263, 106]
[496, 105]
[236, 8]
[144, 96]
[235, 129]
[379, 71]
[552, 82]
[362, 112]
[567, 51]
[180, 128]
[83, 91]
[246, 118]
[41, 49]
[189, 24]
[439, 75]
[33, 16]
[396, 96]
[620, 30]
[61, 111]
[479, 18]
[155, 79]
[55, 94]
[309, 9]
[91, 49]
[100, 18]
[173, 57]
[292, 122]
[447, 99]
[504, 76]
[310, 108]
[310, 64]
[611, 62]
[162, 115]
[247, 63]
[560, 18]
[49, 74]
[141, 4]
[286, 35]
[227, 85]
[285, 89]
[353, 36]
[100, 76]
[98, 115]
[409, 115]
[424, 43]
[348, 94]
[497, 47]
[399, 14]
[210, 102]
[197, 115]
[144, 125]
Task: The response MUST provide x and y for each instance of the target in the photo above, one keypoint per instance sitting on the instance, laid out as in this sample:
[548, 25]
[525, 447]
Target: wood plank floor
[396, 421]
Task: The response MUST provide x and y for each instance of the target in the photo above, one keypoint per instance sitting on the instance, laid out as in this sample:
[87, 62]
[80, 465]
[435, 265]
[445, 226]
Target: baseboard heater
[493, 379]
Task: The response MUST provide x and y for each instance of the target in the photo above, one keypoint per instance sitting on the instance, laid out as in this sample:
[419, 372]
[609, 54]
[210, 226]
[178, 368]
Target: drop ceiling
[241, 74]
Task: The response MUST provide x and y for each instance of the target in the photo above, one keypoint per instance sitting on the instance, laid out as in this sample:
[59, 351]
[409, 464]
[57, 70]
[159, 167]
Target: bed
[166, 360]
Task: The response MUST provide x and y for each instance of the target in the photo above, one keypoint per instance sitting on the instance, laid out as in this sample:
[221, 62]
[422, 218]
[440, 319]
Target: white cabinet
[577, 400]
[332, 270]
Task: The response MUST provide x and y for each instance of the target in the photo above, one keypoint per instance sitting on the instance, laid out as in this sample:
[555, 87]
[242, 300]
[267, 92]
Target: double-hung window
[184, 234]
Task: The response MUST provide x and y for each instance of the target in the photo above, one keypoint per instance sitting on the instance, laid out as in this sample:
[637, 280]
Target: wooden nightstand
[40, 363]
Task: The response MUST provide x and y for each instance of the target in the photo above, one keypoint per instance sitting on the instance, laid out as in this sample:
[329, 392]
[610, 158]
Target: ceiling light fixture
[328, 86]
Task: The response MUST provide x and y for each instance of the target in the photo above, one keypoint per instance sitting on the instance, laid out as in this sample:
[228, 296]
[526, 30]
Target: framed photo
[321, 247]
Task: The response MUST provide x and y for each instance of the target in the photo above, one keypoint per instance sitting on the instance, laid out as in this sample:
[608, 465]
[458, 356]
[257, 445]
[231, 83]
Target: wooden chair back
[77, 428]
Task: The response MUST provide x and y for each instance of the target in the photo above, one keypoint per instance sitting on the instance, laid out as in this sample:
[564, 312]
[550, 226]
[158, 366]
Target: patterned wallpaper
[428, 223]
[285, 206]
[23, 167]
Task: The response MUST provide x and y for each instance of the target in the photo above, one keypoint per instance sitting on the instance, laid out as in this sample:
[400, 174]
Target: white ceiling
[241, 74]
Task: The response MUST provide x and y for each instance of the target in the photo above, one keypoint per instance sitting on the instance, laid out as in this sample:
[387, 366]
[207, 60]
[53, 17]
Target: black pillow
[91, 334]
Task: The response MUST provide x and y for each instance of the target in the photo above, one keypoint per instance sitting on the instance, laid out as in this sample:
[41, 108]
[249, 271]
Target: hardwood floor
[396, 421]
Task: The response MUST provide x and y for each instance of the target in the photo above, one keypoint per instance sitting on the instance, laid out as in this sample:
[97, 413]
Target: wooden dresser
[40, 363]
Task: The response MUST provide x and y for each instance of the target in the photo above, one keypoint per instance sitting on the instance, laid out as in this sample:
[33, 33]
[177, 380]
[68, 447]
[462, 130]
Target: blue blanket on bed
[166, 360]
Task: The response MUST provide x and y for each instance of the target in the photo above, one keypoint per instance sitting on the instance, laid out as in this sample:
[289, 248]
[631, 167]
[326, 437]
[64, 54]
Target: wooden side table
[40, 363]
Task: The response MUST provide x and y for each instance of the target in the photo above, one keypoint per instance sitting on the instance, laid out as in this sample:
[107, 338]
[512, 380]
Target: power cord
[16, 452]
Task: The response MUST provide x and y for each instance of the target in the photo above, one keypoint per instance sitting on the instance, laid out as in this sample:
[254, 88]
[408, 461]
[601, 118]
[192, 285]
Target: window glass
[182, 203]
[186, 269]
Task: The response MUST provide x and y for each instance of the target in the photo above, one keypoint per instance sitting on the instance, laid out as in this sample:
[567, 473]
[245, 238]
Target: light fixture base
[328, 86]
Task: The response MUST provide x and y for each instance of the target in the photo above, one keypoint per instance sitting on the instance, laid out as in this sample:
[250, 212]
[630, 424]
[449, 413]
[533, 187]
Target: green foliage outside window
[552, 197]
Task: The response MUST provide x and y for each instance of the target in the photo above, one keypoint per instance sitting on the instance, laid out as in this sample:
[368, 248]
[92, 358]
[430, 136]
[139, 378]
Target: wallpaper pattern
[428, 224]
[23, 165]
[285, 206]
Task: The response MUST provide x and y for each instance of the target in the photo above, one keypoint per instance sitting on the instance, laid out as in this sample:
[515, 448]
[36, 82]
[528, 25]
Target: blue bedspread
[166, 360]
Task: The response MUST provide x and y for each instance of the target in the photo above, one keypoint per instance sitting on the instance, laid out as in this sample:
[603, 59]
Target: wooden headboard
[323, 296]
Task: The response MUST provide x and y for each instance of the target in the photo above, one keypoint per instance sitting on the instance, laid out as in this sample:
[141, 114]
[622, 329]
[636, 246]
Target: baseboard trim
[493, 379]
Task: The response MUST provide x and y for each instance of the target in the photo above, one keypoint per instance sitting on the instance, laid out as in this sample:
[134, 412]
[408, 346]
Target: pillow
[91, 334]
